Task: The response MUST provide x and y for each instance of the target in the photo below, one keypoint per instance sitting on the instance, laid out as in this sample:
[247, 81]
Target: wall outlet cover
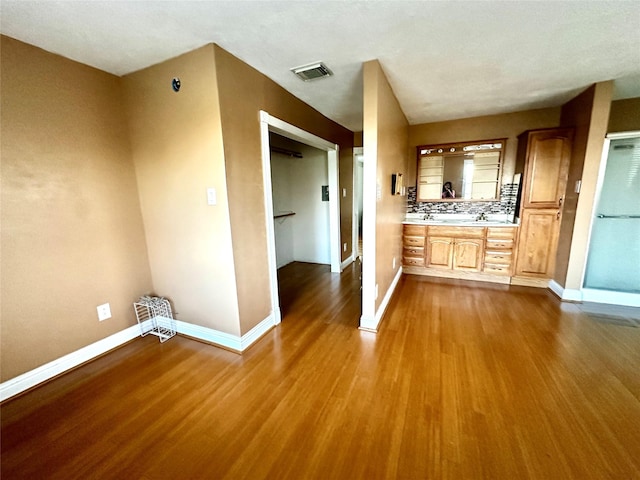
[104, 311]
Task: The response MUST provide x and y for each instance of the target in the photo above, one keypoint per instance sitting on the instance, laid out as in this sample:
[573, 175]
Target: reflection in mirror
[460, 171]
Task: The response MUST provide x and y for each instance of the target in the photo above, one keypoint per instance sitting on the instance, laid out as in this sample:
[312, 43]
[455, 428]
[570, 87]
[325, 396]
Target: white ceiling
[444, 59]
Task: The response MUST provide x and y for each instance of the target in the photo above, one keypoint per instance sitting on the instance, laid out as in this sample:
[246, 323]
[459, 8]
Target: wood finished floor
[463, 381]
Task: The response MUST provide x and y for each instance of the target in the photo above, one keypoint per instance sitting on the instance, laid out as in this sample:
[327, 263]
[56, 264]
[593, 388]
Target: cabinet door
[547, 167]
[439, 252]
[467, 254]
[538, 242]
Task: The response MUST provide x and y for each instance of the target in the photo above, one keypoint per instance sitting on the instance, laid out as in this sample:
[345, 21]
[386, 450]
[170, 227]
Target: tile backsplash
[506, 205]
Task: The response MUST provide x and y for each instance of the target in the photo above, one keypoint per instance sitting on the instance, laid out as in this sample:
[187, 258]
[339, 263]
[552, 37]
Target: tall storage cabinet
[544, 156]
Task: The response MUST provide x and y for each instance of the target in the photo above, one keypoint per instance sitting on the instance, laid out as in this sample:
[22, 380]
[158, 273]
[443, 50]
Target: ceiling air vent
[313, 71]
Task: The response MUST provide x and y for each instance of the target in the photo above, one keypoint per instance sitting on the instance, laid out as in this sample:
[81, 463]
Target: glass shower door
[613, 261]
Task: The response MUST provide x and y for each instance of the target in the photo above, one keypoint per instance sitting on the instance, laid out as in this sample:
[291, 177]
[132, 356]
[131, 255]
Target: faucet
[481, 218]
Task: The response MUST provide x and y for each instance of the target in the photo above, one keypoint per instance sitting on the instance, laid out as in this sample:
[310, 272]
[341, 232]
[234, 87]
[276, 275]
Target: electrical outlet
[344, 192]
[104, 311]
[393, 263]
[344, 247]
[376, 291]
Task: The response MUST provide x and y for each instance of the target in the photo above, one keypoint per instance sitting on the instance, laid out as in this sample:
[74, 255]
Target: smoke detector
[312, 71]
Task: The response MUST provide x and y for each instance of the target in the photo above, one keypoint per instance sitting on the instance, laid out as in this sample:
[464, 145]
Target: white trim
[268, 124]
[565, 294]
[556, 288]
[611, 297]
[334, 209]
[268, 208]
[60, 365]
[65, 363]
[347, 262]
[256, 333]
[357, 152]
[370, 324]
[369, 239]
[226, 340]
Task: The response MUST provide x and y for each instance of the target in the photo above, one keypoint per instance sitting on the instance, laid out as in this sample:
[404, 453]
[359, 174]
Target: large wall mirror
[460, 171]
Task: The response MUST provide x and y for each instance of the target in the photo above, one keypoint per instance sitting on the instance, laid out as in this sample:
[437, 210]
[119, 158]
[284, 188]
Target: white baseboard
[226, 340]
[347, 262]
[60, 365]
[370, 324]
[595, 296]
[611, 297]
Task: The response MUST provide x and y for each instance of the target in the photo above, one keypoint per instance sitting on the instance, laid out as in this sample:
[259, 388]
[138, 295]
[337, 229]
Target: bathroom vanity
[460, 248]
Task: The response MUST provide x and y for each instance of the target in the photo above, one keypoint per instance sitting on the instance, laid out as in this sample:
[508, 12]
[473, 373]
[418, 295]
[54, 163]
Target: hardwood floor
[463, 381]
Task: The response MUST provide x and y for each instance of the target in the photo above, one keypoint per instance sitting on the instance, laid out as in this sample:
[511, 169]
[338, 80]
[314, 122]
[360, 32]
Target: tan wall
[588, 113]
[72, 235]
[243, 93]
[508, 125]
[385, 143]
[176, 140]
[625, 115]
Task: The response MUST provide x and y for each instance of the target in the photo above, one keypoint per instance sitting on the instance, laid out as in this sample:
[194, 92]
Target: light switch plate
[211, 196]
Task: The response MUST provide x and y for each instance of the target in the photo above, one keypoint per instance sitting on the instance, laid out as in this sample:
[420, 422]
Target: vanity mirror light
[460, 171]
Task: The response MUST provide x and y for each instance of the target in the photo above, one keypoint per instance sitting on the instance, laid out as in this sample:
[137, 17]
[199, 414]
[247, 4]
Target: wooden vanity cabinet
[538, 242]
[500, 248]
[440, 252]
[413, 239]
[467, 252]
[544, 156]
[455, 248]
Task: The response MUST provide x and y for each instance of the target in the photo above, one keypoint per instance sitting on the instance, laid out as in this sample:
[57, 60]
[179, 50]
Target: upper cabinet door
[548, 155]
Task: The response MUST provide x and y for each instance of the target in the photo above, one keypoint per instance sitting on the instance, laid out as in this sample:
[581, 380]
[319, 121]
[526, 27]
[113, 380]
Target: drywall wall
[281, 179]
[385, 145]
[624, 116]
[243, 92]
[507, 125]
[176, 142]
[588, 113]
[72, 232]
[297, 186]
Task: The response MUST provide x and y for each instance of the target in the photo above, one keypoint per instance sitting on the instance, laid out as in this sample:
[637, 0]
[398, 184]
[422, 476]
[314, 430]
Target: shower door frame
[593, 294]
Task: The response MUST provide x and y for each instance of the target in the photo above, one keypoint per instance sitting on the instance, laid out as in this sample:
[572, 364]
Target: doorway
[612, 273]
[272, 124]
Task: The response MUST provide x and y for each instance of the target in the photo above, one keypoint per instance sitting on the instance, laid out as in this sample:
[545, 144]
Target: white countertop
[460, 220]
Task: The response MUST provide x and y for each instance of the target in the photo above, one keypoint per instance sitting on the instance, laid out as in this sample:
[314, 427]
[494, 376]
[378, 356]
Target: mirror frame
[457, 148]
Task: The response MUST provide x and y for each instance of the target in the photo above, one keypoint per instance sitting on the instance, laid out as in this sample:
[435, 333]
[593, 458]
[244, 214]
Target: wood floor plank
[464, 380]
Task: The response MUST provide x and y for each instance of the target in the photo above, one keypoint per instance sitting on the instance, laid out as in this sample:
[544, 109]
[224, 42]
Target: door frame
[358, 153]
[269, 123]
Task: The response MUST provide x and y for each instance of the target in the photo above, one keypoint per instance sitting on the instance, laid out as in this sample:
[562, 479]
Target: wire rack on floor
[155, 317]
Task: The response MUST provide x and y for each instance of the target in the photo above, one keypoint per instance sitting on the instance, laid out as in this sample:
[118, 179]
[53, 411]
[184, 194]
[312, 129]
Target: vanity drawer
[496, 269]
[414, 241]
[499, 243]
[413, 261]
[508, 233]
[500, 258]
[414, 230]
[466, 232]
[413, 252]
